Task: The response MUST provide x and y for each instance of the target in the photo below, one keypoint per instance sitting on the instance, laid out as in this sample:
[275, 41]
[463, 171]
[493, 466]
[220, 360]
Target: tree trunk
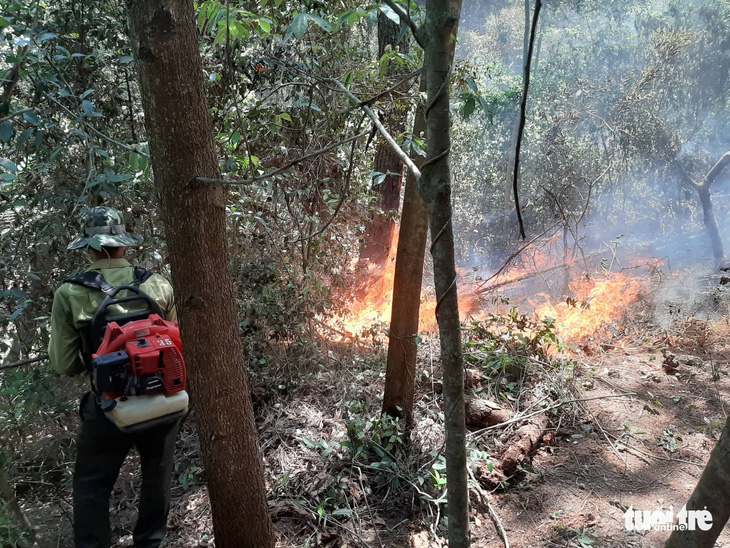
[711, 224]
[376, 244]
[709, 215]
[442, 20]
[710, 494]
[400, 374]
[179, 129]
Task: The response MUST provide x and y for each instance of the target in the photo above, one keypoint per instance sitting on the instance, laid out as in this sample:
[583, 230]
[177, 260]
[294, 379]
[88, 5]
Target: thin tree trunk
[179, 129]
[710, 494]
[711, 224]
[442, 20]
[709, 215]
[377, 241]
[508, 203]
[704, 191]
[400, 375]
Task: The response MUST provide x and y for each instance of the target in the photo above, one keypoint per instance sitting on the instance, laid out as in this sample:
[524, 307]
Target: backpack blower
[138, 371]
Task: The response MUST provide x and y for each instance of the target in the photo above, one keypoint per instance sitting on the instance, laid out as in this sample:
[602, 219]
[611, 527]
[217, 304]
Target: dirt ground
[640, 439]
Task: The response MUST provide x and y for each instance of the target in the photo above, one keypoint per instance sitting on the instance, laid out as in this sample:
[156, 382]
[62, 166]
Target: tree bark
[400, 374]
[441, 25]
[704, 191]
[713, 231]
[377, 241]
[708, 214]
[179, 129]
[710, 494]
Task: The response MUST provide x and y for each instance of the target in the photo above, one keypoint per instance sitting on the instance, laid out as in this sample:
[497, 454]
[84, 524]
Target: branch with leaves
[280, 170]
[380, 127]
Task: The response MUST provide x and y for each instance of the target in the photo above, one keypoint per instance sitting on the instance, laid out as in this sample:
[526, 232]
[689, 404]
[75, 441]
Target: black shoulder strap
[92, 280]
[141, 275]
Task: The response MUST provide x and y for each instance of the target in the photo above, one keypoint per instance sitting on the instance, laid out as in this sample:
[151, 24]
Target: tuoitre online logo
[665, 520]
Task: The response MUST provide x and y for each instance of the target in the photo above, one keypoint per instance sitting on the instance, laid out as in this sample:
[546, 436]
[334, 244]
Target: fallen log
[518, 451]
[481, 413]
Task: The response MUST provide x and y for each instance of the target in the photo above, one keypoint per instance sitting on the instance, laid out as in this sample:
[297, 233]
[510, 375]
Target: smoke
[623, 100]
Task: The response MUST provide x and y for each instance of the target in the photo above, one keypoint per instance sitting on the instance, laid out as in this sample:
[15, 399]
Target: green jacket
[74, 306]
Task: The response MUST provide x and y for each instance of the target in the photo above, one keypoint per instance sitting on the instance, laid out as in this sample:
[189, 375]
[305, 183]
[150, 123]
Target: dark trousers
[102, 448]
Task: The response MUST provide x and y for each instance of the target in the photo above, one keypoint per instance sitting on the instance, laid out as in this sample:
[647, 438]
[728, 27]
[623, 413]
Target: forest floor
[639, 438]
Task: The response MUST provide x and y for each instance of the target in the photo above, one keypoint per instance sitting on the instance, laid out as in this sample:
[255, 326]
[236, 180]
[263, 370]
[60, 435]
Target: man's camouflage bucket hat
[104, 226]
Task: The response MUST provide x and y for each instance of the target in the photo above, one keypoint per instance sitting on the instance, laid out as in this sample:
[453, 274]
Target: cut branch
[716, 169]
[381, 128]
[23, 362]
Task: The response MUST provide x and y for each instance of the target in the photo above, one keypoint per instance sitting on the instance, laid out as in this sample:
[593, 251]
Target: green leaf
[285, 116]
[4, 22]
[85, 94]
[342, 512]
[298, 27]
[321, 23]
[265, 25]
[88, 107]
[383, 64]
[23, 138]
[8, 165]
[119, 178]
[6, 131]
[345, 17]
[390, 14]
[239, 31]
[32, 118]
[469, 106]
[126, 59]
[55, 153]
[472, 85]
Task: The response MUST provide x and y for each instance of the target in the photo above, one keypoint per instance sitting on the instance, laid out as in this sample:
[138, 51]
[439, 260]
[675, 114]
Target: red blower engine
[139, 373]
[140, 358]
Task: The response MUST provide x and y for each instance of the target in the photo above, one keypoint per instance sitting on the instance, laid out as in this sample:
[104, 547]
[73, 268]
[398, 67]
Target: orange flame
[595, 307]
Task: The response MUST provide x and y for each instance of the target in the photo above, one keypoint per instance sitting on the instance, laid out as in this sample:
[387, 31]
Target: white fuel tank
[134, 410]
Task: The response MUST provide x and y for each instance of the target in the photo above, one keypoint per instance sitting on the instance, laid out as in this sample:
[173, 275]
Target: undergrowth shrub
[510, 348]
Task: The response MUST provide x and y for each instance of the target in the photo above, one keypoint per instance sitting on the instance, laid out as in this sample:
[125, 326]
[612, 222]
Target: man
[102, 447]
